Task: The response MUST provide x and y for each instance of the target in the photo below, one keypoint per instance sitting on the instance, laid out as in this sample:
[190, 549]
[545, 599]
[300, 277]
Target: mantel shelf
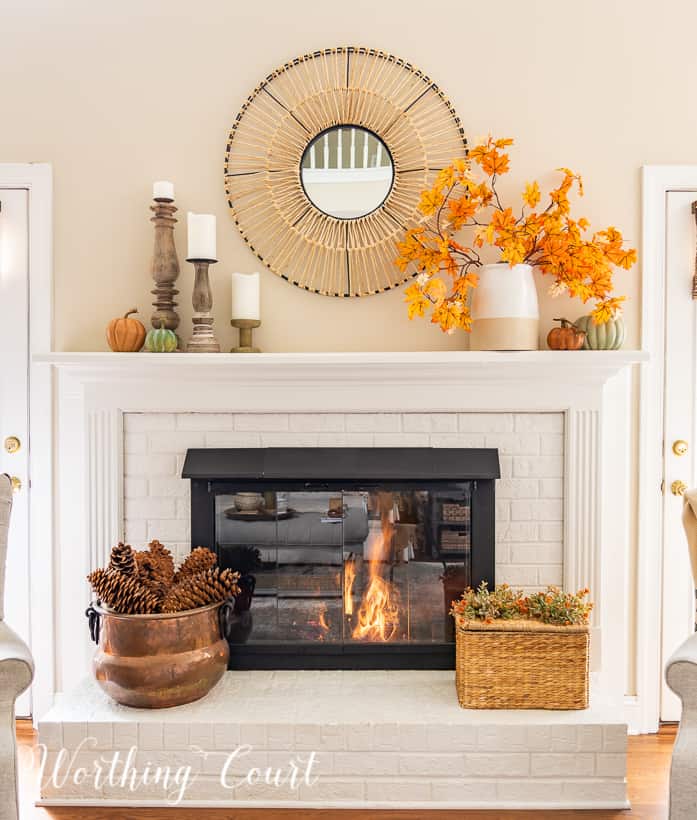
[535, 371]
[614, 359]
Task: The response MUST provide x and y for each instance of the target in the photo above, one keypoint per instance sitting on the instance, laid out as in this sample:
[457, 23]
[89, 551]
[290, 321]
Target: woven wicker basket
[521, 664]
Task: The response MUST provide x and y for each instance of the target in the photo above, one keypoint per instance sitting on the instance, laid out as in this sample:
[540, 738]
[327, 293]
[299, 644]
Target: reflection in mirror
[347, 172]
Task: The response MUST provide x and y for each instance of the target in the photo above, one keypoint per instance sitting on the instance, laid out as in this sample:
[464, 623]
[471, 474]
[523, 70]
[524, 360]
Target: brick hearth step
[381, 739]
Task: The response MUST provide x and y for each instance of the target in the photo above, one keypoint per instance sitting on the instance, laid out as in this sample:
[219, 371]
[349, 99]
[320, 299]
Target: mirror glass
[346, 172]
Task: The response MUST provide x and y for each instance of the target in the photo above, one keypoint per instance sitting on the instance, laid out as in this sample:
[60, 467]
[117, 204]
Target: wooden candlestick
[245, 327]
[165, 266]
[203, 339]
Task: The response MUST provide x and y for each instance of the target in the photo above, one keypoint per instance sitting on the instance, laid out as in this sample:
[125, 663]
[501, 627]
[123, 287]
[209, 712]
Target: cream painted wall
[117, 95]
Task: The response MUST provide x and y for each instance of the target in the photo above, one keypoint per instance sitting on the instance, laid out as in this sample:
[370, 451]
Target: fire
[321, 622]
[378, 616]
[323, 619]
[349, 578]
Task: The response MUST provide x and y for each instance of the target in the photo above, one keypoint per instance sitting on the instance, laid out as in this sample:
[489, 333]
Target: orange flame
[378, 616]
[323, 619]
[321, 622]
[349, 578]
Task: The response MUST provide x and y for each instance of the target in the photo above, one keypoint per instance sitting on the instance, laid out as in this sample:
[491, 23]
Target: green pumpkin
[609, 336]
[161, 340]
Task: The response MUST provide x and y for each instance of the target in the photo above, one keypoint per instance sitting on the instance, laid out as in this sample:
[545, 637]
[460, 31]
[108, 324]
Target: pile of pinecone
[144, 582]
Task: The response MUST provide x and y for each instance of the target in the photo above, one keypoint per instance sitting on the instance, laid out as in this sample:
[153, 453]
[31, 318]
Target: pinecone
[223, 582]
[177, 600]
[198, 560]
[122, 559]
[133, 598]
[151, 572]
[101, 581]
[211, 586]
[164, 560]
[124, 594]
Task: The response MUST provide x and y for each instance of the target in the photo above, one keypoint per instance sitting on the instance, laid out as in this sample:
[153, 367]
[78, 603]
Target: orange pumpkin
[125, 335]
[566, 337]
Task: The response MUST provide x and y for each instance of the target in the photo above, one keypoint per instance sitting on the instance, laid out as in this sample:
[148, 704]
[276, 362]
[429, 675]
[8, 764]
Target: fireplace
[349, 557]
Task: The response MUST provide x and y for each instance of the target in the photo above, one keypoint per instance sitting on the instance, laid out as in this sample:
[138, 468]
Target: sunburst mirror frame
[345, 86]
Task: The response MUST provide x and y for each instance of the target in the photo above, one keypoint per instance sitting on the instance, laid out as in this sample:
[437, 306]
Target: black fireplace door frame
[253, 470]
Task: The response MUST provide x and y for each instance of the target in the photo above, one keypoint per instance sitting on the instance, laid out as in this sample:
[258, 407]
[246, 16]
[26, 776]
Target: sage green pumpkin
[609, 336]
[161, 340]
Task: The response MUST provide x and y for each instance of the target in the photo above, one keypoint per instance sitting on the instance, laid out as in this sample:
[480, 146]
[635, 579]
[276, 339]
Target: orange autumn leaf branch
[549, 239]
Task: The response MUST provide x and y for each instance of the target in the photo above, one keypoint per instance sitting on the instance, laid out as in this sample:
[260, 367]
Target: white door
[679, 429]
[14, 406]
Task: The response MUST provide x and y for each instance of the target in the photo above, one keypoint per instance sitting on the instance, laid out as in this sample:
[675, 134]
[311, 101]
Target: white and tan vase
[505, 313]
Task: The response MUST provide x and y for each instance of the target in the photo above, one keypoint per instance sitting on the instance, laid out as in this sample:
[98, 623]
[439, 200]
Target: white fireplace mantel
[599, 361]
[354, 381]
[591, 388]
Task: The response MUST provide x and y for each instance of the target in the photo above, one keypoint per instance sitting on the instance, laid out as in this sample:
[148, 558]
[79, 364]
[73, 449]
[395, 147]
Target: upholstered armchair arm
[16, 673]
[681, 677]
[16, 665]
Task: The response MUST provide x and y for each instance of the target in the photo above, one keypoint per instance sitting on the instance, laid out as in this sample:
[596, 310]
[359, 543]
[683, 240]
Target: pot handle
[225, 617]
[94, 622]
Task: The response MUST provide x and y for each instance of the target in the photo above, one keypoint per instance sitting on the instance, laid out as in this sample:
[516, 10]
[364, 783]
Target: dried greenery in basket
[557, 607]
[553, 606]
[145, 582]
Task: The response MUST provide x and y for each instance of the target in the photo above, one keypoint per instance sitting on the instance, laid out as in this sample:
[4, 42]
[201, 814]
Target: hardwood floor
[648, 768]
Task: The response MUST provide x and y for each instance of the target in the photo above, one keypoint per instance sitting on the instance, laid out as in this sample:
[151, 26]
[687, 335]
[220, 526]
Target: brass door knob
[678, 487]
[12, 444]
[679, 447]
[16, 483]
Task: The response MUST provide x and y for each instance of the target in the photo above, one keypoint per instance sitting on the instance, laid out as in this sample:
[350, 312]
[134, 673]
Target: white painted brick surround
[530, 494]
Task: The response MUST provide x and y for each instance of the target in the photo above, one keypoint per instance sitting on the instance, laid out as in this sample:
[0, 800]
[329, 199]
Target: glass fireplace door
[345, 569]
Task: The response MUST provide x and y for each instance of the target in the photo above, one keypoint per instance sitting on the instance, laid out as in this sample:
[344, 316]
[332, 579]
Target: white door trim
[37, 178]
[657, 182]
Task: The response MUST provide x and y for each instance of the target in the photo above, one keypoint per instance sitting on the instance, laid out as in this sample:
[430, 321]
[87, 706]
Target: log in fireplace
[349, 557]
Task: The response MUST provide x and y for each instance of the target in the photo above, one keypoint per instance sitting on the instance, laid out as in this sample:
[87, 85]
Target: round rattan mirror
[326, 161]
[346, 172]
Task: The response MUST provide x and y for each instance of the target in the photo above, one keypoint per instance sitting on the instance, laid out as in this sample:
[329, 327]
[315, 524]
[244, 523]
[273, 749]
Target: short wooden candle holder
[202, 339]
[245, 326]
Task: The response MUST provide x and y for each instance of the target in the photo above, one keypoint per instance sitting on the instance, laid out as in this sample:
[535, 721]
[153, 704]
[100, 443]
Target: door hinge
[663, 487]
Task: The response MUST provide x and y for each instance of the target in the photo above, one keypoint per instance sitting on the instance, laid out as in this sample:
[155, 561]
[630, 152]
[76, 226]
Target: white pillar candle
[201, 236]
[245, 296]
[162, 190]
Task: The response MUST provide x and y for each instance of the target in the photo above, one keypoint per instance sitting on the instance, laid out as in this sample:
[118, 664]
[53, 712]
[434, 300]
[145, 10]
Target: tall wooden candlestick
[203, 339]
[165, 266]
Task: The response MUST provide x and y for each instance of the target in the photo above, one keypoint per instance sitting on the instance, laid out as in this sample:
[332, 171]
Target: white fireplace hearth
[370, 747]
[558, 420]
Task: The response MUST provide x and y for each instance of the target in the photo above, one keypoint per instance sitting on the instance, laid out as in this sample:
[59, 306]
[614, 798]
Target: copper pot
[155, 661]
